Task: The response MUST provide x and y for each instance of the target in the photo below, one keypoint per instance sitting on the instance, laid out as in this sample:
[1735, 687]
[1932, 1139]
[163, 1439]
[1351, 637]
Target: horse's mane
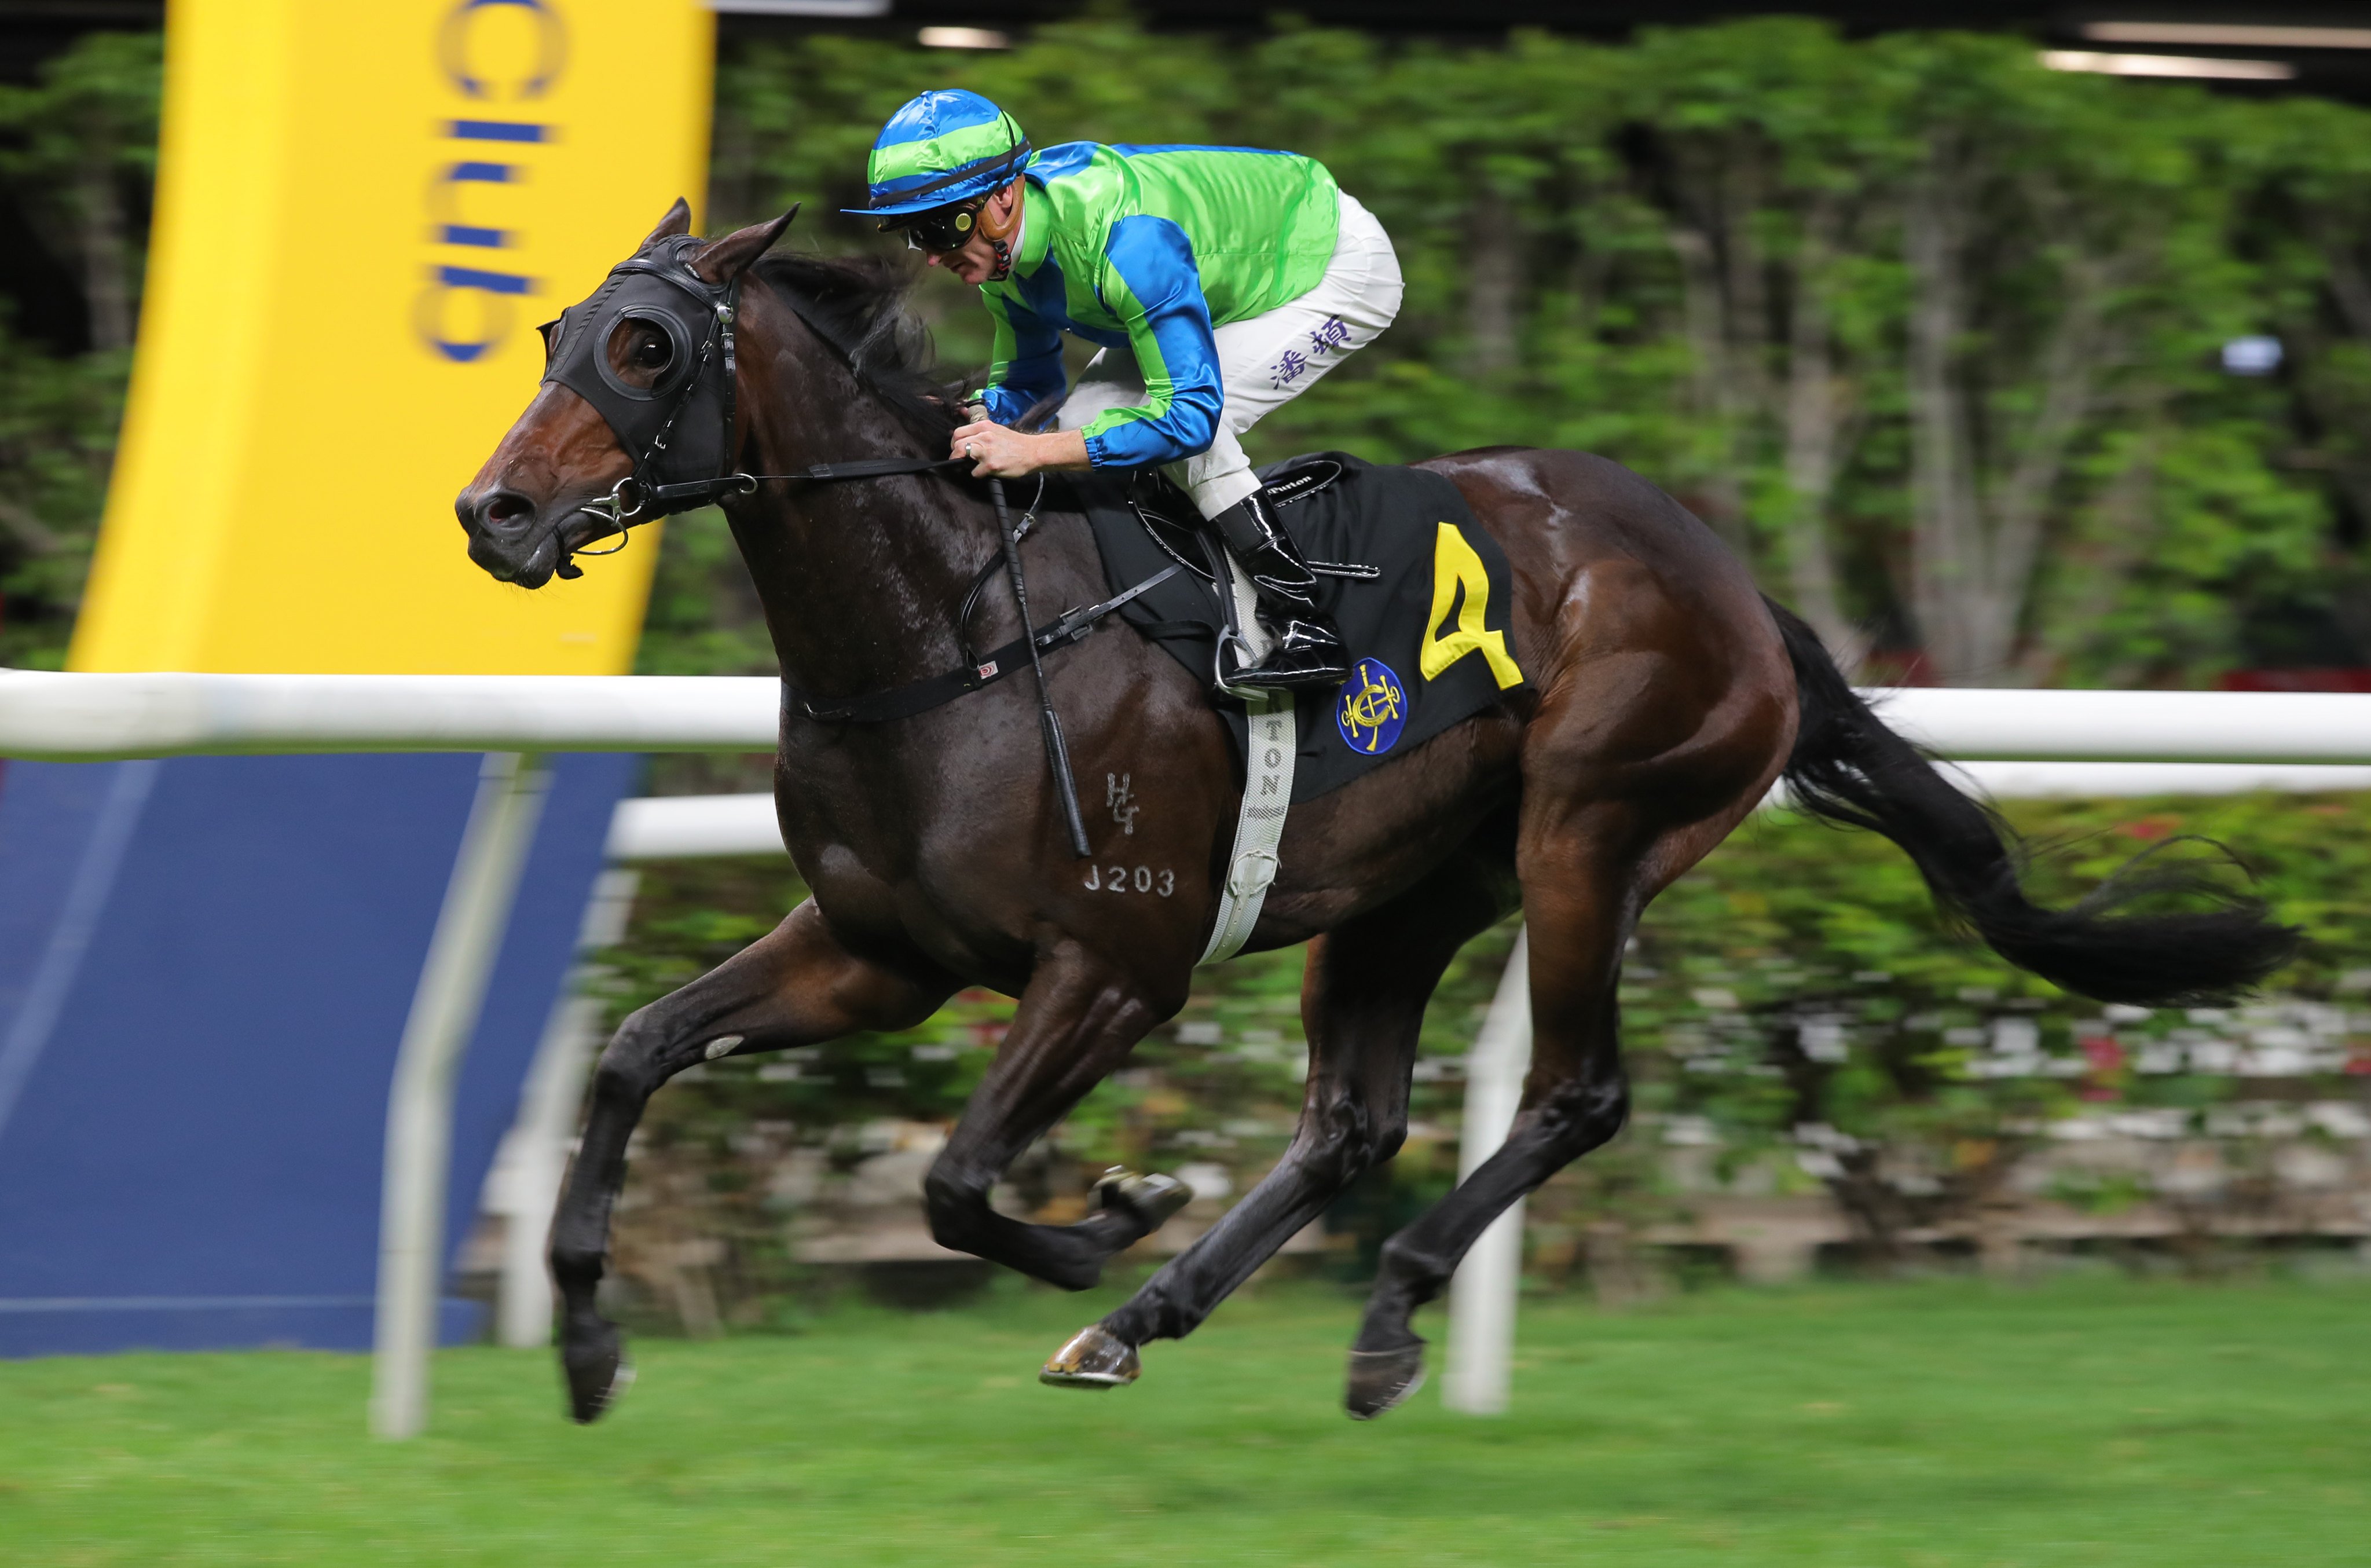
[857, 303]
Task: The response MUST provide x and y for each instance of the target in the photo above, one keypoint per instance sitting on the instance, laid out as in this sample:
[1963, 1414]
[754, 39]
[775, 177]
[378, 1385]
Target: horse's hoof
[598, 1375]
[1095, 1358]
[1151, 1200]
[1383, 1379]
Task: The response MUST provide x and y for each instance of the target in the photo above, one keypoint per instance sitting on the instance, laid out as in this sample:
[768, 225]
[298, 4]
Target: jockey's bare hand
[997, 452]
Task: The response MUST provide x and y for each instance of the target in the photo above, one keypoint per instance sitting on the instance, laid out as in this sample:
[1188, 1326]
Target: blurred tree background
[1932, 335]
[1798, 1018]
[78, 159]
[1935, 337]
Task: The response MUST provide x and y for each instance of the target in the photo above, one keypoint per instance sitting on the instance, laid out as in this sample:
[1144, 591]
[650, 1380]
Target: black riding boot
[1308, 651]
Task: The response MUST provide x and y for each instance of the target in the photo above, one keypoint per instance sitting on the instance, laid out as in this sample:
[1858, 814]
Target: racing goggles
[941, 229]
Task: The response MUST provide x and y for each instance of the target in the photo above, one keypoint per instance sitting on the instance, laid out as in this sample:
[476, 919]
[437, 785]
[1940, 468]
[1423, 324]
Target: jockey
[1236, 276]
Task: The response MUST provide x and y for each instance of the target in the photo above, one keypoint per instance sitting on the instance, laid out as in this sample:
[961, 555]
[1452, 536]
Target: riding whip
[1057, 755]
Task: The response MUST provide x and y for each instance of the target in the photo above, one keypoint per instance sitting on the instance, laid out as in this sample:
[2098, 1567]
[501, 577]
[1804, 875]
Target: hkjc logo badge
[1373, 709]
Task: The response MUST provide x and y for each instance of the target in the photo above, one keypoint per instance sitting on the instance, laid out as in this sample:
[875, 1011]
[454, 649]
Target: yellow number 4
[1456, 565]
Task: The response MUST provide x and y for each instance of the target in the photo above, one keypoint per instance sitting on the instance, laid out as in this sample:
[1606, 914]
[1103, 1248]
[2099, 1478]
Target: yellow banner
[364, 208]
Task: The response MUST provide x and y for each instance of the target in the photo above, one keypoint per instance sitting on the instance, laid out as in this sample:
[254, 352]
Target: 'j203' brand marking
[464, 312]
[1126, 879]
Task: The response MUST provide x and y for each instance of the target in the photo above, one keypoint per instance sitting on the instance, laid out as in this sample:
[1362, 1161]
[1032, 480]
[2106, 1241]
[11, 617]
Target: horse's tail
[1848, 768]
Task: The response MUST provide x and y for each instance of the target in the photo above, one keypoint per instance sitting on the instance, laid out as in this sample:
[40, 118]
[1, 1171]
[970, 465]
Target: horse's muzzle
[510, 538]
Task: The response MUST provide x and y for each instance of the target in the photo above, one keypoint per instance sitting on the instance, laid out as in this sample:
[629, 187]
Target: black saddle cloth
[1429, 630]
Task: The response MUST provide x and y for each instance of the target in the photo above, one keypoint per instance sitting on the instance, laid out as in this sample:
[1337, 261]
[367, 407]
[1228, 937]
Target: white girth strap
[1267, 796]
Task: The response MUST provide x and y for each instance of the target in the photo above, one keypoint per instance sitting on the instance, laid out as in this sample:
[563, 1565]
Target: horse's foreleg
[1363, 1003]
[1079, 1018]
[796, 985]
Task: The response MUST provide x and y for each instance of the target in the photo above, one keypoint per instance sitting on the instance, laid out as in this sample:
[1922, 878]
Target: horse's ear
[722, 261]
[677, 221]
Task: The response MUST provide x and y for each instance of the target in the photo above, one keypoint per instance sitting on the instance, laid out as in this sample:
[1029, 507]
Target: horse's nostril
[498, 512]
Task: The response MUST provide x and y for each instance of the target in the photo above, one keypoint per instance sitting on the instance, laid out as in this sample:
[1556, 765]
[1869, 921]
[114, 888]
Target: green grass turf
[2080, 1422]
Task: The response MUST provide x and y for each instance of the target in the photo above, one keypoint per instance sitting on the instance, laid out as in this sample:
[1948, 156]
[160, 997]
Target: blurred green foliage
[1800, 988]
[58, 417]
[1795, 1005]
[77, 156]
[1930, 333]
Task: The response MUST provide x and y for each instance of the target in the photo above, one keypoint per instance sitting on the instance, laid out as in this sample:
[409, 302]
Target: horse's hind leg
[1363, 1004]
[796, 985]
[1585, 881]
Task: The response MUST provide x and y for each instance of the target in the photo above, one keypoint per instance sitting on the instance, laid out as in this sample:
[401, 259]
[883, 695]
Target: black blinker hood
[679, 431]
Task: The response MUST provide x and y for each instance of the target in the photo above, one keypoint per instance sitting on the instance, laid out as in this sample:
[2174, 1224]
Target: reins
[669, 499]
[634, 499]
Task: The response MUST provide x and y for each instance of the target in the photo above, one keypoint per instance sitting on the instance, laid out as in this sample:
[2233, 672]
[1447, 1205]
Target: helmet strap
[1000, 234]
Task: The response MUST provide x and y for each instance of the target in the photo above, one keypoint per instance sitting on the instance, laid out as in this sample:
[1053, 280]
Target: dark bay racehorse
[1668, 696]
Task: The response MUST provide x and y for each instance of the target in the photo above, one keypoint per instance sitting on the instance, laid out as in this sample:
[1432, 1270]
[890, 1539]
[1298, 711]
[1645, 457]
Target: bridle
[677, 466]
[671, 473]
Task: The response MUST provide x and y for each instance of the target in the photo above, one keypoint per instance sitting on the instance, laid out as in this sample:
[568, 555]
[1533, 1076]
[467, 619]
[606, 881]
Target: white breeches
[1270, 359]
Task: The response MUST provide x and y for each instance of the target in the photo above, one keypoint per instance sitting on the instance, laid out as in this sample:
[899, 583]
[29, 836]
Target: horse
[1666, 697]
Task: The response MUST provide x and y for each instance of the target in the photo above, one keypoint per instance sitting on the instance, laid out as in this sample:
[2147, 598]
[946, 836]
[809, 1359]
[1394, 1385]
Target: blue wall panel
[205, 964]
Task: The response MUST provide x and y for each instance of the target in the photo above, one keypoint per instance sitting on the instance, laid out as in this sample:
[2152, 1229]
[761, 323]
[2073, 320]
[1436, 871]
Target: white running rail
[674, 827]
[678, 827]
[93, 717]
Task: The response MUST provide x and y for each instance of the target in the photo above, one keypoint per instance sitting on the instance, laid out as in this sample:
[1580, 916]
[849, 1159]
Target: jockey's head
[934, 168]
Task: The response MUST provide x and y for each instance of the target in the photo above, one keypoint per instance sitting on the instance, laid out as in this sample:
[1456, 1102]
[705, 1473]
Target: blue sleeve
[1153, 289]
[1025, 365]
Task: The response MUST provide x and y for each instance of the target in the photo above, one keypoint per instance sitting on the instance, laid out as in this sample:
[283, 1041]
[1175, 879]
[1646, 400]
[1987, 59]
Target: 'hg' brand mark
[464, 311]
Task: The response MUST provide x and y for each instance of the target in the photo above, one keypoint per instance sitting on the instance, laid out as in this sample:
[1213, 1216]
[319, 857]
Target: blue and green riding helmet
[939, 156]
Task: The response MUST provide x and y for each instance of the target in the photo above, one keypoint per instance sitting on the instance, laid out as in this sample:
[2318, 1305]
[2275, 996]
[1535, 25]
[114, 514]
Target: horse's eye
[653, 351]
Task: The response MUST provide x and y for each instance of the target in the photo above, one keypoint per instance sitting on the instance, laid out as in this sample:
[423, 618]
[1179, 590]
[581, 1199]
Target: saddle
[1421, 592]
[1423, 597]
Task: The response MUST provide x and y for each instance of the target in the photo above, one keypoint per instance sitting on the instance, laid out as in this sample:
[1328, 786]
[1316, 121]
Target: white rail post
[537, 1148]
[537, 1161]
[1482, 1296]
[445, 1008]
